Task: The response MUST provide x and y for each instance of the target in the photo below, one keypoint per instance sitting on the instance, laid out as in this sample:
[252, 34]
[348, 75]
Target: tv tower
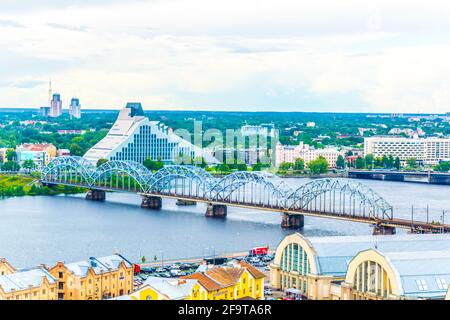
[49, 91]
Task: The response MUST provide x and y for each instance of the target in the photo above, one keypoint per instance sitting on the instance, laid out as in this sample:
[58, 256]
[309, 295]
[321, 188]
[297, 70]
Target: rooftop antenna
[49, 91]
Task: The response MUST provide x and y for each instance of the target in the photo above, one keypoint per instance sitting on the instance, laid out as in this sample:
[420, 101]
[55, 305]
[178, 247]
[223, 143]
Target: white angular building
[134, 137]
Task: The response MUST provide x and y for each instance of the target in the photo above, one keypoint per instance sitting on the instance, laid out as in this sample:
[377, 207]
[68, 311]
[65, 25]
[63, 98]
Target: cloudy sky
[285, 55]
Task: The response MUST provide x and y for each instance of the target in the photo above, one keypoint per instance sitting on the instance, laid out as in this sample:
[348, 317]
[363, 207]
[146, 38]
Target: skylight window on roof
[422, 285]
[442, 283]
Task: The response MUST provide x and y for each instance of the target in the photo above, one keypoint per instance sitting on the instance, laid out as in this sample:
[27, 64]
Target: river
[35, 230]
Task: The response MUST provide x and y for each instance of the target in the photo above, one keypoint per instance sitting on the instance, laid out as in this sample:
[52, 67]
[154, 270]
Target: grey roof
[422, 274]
[25, 279]
[124, 297]
[98, 265]
[174, 289]
[334, 253]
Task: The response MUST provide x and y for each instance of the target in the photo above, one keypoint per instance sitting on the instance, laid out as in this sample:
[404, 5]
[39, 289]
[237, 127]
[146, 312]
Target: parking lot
[179, 269]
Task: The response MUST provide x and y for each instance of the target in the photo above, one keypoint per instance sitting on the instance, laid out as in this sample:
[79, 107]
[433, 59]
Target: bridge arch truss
[340, 197]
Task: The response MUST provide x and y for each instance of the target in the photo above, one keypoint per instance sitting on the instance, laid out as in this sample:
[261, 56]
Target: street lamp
[443, 220]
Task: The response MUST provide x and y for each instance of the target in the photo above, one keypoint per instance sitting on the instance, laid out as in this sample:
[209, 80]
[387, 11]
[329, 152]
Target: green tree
[257, 167]
[389, 162]
[340, 162]
[101, 161]
[286, 165]
[397, 164]
[29, 164]
[153, 165]
[241, 167]
[143, 259]
[412, 163]
[320, 165]
[11, 166]
[443, 166]
[378, 162]
[360, 163]
[223, 167]
[200, 162]
[76, 150]
[369, 161]
[10, 154]
[299, 164]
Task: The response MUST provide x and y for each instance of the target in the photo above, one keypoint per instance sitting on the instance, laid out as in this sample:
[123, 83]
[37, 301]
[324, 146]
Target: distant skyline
[247, 55]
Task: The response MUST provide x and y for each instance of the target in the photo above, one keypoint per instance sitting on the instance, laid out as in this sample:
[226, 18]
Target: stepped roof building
[134, 137]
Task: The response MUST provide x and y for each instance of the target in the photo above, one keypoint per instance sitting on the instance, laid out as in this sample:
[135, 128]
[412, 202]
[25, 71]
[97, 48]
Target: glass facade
[295, 267]
[372, 278]
[146, 144]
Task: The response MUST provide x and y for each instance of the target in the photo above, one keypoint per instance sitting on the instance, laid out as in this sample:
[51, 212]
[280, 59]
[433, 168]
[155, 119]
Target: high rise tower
[55, 106]
[75, 108]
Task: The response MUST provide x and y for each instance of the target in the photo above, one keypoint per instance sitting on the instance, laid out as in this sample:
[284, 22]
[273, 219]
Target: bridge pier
[292, 221]
[151, 202]
[216, 211]
[383, 230]
[96, 195]
[181, 202]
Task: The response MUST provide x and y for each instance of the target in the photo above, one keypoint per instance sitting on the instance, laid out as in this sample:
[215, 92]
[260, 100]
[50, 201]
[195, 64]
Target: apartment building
[94, 279]
[40, 153]
[29, 284]
[429, 151]
[289, 153]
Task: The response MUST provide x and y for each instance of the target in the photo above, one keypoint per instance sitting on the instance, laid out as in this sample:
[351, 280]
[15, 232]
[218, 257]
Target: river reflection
[36, 230]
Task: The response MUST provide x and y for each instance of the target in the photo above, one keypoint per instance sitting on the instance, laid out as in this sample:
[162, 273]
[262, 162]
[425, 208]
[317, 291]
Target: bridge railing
[340, 197]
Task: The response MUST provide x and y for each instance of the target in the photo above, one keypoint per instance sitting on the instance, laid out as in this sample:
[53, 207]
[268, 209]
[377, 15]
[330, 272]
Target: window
[442, 283]
[422, 285]
[60, 275]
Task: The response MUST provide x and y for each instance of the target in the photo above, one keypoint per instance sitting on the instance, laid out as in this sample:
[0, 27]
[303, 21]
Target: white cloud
[387, 56]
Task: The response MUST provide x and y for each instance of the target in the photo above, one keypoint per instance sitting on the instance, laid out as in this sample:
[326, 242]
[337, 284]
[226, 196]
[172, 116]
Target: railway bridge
[340, 199]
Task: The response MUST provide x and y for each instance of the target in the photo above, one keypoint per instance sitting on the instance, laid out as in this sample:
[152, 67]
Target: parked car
[254, 260]
[268, 291]
[175, 272]
[166, 275]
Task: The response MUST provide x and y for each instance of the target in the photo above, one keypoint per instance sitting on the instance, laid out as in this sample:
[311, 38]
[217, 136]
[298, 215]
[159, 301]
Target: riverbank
[27, 185]
[197, 259]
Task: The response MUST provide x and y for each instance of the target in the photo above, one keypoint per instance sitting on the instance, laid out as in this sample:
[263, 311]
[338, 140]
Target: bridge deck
[416, 226]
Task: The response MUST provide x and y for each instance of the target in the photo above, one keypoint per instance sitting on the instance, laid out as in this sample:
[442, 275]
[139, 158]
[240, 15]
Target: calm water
[36, 230]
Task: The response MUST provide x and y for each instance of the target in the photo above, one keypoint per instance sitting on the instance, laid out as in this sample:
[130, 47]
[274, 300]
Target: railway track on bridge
[339, 199]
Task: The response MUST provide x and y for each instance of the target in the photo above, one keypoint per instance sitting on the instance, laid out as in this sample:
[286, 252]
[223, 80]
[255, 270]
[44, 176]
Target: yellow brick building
[219, 283]
[6, 267]
[94, 279]
[157, 288]
[32, 284]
